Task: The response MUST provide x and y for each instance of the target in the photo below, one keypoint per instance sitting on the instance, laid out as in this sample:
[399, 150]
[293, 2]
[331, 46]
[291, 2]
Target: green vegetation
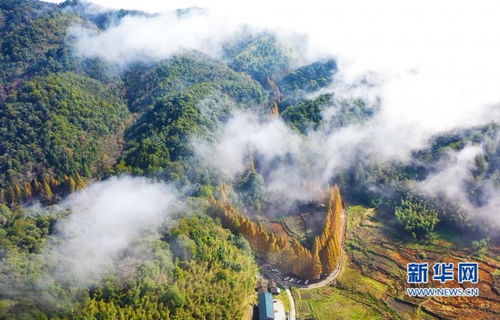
[395, 183]
[262, 56]
[283, 297]
[350, 111]
[417, 218]
[306, 114]
[308, 78]
[481, 246]
[162, 136]
[251, 189]
[61, 124]
[32, 43]
[183, 97]
[213, 280]
[330, 303]
[180, 73]
[213, 283]
[351, 279]
[23, 232]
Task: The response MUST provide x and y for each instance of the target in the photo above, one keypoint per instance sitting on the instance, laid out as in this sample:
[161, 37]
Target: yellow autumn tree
[288, 255]
[46, 193]
[28, 193]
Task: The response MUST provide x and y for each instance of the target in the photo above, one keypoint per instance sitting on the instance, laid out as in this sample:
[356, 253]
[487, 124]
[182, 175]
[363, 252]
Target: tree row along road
[331, 277]
[334, 274]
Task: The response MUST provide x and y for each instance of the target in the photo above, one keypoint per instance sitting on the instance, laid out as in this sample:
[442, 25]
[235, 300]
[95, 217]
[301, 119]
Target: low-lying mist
[101, 236]
[106, 219]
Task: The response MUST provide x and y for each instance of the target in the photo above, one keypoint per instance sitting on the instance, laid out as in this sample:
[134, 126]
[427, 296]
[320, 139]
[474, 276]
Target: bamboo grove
[288, 254]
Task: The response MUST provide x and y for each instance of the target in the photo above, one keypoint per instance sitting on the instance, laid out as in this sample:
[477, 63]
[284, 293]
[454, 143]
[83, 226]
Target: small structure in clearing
[266, 311]
[273, 287]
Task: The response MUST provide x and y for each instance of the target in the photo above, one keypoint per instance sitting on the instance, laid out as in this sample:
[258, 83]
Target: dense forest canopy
[68, 120]
[60, 124]
[198, 251]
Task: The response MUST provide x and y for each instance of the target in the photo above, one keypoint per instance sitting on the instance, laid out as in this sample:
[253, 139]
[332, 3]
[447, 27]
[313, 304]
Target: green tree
[416, 218]
[251, 189]
[481, 246]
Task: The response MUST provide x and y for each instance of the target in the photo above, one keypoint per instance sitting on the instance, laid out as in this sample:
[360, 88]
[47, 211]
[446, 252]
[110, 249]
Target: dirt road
[331, 277]
[292, 304]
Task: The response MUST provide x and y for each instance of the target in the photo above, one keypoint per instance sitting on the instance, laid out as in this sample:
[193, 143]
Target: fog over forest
[148, 145]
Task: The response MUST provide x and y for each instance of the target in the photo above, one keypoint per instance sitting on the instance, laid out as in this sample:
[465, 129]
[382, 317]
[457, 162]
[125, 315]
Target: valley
[179, 164]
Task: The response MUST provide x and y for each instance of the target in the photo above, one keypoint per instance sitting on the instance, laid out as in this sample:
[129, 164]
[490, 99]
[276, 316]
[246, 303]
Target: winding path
[334, 274]
[331, 277]
[292, 304]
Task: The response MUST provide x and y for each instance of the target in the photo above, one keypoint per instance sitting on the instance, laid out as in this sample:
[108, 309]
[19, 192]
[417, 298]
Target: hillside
[160, 174]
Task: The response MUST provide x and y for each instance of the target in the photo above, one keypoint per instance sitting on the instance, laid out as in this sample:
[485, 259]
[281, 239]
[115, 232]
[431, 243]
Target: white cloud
[106, 218]
[455, 173]
[151, 38]
[451, 182]
[297, 166]
[435, 64]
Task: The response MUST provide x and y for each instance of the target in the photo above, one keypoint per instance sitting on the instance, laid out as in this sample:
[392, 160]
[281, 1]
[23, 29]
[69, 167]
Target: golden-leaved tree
[288, 255]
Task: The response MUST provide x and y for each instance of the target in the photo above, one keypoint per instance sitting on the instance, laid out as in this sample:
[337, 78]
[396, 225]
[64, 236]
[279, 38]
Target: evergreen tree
[418, 219]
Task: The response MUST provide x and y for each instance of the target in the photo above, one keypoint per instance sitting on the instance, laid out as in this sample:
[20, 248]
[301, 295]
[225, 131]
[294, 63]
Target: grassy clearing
[355, 215]
[332, 303]
[353, 280]
[283, 297]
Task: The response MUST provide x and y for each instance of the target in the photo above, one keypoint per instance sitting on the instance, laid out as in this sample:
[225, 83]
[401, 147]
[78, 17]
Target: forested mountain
[34, 41]
[145, 84]
[183, 96]
[159, 287]
[64, 120]
[60, 124]
[263, 57]
[68, 121]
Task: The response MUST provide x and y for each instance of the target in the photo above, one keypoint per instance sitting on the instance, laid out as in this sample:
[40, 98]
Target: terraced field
[295, 226]
[305, 225]
[330, 303]
[373, 285]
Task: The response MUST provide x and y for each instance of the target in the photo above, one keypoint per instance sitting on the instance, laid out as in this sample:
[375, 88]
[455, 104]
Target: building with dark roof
[266, 310]
[261, 286]
[273, 287]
